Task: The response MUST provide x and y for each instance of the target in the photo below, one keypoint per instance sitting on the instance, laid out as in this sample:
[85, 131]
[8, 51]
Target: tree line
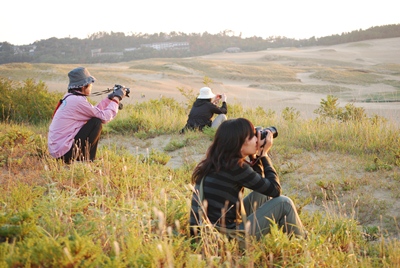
[115, 45]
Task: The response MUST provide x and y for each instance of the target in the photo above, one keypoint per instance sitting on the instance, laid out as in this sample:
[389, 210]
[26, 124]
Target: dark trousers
[84, 147]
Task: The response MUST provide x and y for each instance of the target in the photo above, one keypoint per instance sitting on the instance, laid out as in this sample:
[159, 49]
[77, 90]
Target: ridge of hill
[113, 47]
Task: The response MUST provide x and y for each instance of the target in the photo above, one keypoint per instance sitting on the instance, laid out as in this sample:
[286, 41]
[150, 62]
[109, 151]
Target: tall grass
[151, 118]
[131, 209]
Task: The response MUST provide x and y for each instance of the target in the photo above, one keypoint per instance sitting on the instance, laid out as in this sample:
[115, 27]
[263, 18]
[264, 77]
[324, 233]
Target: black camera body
[122, 87]
[264, 132]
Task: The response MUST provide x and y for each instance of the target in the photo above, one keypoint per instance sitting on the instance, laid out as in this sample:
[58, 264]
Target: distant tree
[6, 47]
[74, 50]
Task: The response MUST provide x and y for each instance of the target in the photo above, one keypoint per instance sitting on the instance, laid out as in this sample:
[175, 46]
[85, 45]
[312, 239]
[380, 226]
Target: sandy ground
[365, 55]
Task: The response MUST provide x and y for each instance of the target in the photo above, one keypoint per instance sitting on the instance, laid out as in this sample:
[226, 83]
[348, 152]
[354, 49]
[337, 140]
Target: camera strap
[108, 90]
[254, 161]
[61, 101]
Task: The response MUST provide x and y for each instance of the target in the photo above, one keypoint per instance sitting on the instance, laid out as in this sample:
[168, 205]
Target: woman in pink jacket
[76, 126]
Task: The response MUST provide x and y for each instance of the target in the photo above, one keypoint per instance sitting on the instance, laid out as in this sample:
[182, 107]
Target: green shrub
[329, 109]
[17, 226]
[155, 157]
[18, 142]
[175, 144]
[71, 251]
[29, 102]
[290, 114]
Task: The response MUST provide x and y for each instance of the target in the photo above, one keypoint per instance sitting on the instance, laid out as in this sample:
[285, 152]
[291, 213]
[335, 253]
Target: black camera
[122, 87]
[264, 132]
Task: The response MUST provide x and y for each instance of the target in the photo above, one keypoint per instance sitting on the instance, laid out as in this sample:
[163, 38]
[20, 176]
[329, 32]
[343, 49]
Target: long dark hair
[225, 150]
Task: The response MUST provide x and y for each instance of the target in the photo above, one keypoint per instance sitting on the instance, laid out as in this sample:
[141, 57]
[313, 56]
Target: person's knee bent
[96, 124]
[96, 121]
[223, 117]
[284, 199]
[218, 120]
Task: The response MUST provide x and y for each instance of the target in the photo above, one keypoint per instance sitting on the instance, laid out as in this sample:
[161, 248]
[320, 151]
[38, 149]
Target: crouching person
[203, 110]
[76, 126]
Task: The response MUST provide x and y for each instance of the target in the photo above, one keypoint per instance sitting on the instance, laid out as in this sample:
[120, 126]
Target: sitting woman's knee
[284, 199]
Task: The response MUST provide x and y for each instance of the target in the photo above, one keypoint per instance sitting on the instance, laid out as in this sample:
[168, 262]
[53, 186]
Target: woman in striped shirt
[237, 159]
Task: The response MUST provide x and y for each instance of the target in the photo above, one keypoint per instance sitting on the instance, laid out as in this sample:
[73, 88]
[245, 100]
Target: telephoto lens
[273, 130]
[264, 132]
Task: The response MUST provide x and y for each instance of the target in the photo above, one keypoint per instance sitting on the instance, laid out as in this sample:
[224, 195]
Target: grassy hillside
[337, 155]
[130, 208]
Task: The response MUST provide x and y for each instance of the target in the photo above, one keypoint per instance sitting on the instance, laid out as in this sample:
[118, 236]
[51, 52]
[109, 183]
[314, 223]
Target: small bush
[155, 157]
[29, 102]
[290, 114]
[17, 143]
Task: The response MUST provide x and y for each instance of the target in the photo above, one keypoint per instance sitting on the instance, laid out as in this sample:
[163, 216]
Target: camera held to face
[264, 132]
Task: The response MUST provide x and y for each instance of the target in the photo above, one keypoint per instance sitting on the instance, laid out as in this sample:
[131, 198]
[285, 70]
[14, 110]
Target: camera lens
[264, 132]
[273, 130]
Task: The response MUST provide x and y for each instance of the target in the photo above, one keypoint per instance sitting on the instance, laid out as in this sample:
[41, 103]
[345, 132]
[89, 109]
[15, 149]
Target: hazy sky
[24, 22]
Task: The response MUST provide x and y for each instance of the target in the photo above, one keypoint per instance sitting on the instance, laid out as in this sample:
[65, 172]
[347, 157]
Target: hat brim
[204, 97]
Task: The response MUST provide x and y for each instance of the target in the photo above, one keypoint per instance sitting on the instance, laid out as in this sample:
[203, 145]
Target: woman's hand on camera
[265, 144]
[223, 97]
